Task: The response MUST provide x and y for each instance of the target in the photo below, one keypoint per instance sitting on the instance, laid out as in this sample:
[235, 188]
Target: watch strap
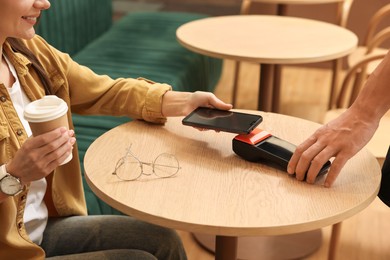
[3, 171]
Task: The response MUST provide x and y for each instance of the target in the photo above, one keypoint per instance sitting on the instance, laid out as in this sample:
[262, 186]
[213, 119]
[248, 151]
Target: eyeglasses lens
[166, 165]
[130, 169]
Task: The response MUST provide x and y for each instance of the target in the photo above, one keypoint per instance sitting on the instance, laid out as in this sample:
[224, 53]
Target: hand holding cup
[46, 114]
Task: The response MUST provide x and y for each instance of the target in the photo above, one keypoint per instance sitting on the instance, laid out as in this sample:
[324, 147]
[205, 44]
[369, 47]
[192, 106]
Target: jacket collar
[18, 60]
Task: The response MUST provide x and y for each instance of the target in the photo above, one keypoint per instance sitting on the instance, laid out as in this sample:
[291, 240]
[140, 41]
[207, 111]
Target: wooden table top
[298, 1]
[215, 191]
[267, 39]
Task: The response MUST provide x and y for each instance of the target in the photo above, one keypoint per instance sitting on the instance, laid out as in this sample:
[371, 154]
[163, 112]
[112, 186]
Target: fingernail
[71, 132]
[327, 185]
[72, 141]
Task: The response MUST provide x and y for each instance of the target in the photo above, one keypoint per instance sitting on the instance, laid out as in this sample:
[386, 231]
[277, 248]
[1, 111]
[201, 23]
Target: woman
[47, 216]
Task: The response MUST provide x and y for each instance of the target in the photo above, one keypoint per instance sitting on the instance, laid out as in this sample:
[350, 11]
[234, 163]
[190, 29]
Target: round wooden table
[216, 192]
[342, 14]
[281, 5]
[268, 40]
[295, 2]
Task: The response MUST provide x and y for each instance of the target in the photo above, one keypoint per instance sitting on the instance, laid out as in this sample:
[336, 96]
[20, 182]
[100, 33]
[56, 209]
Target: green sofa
[140, 44]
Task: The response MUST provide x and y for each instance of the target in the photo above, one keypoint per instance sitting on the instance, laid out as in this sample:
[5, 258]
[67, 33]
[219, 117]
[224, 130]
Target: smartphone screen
[222, 120]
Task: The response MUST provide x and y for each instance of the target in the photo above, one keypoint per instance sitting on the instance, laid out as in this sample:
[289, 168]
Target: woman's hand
[204, 99]
[341, 138]
[182, 103]
[40, 155]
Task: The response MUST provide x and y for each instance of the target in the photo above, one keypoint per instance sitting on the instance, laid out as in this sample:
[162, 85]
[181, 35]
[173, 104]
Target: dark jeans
[384, 192]
[109, 237]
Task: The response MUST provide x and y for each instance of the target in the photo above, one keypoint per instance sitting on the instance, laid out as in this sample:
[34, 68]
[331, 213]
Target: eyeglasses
[130, 168]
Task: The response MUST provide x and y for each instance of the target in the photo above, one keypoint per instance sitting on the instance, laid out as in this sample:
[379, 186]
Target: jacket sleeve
[99, 94]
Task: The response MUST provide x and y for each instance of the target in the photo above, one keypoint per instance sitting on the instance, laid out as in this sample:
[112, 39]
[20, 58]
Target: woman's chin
[28, 35]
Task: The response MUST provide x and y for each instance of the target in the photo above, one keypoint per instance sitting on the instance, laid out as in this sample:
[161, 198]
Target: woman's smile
[30, 19]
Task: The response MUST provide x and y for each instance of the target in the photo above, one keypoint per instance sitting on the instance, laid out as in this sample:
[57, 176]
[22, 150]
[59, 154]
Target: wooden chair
[354, 80]
[343, 10]
[374, 39]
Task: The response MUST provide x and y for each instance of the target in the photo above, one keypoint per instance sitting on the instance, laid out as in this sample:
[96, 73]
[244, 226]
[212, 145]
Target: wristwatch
[9, 185]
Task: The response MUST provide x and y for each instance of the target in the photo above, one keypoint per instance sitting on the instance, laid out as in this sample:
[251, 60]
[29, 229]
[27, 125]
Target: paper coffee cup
[46, 114]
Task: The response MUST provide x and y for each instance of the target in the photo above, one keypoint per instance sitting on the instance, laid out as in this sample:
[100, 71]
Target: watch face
[10, 185]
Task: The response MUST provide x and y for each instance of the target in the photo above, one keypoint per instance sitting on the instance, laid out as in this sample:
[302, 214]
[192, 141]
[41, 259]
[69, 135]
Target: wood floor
[304, 94]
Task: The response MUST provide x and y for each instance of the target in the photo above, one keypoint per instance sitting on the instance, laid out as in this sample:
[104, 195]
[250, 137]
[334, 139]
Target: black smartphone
[222, 120]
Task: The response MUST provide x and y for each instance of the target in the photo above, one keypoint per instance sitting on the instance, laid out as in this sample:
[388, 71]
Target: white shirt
[35, 214]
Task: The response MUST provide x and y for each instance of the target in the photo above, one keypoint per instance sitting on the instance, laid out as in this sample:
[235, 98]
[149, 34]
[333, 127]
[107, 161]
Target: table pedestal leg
[294, 246]
[225, 248]
[266, 87]
[276, 88]
[334, 241]
[281, 9]
[336, 67]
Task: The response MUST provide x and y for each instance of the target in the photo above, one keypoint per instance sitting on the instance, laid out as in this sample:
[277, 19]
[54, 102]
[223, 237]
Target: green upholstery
[87, 129]
[144, 44]
[70, 25]
[141, 44]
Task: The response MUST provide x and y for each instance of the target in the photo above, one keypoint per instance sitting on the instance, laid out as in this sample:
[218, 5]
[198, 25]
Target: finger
[317, 163]
[306, 160]
[44, 155]
[335, 170]
[35, 148]
[215, 102]
[59, 155]
[206, 129]
[54, 159]
[57, 149]
[292, 165]
[43, 139]
[219, 104]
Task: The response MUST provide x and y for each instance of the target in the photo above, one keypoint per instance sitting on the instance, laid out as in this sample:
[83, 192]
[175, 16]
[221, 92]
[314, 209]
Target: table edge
[223, 230]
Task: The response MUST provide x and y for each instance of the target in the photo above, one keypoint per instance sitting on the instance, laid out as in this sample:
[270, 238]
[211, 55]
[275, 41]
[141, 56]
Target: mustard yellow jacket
[85, 93]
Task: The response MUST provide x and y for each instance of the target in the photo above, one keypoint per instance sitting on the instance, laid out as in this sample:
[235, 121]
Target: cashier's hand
[341, 138]
[177, 103]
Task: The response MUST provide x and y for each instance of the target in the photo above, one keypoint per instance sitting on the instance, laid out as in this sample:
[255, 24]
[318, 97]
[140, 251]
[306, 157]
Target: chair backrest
[354, 80]
[342, 11]
[376, 41]
[375, 21]
[245, 6]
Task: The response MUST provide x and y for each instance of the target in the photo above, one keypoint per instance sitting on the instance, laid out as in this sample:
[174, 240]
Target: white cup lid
[45, 109]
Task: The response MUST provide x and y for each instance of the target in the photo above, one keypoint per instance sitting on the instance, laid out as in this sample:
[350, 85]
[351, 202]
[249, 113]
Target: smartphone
[222, 120]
